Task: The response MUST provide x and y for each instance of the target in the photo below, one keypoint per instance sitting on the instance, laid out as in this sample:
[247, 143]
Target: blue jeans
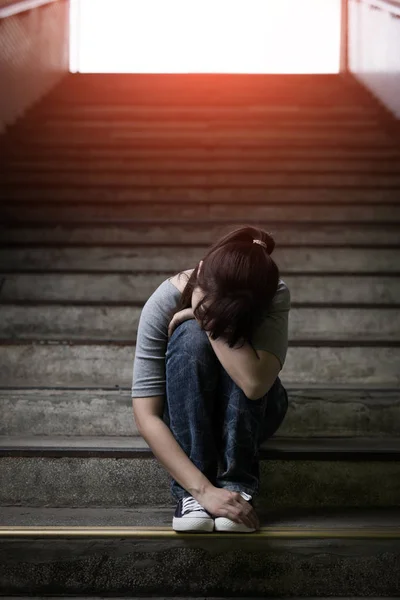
[211, 418]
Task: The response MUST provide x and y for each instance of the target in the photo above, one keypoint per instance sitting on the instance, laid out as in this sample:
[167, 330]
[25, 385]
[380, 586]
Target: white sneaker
[191, 516]
[224, 524]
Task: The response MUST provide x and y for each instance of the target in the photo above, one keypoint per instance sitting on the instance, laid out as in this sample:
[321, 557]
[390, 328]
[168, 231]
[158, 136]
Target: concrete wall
[34, 56]
[374, 48]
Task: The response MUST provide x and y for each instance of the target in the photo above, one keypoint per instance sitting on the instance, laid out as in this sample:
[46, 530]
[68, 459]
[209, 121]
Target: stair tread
[312, 412]
[218, 205]
[107, 445]
[90, 364]
[19, 234]
[160, 518]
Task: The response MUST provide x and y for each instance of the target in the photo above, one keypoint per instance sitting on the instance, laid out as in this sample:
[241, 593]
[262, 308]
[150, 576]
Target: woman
[206, 392]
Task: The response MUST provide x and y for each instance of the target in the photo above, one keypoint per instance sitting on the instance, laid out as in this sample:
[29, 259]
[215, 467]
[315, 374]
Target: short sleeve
[273, 332]
[149, 377]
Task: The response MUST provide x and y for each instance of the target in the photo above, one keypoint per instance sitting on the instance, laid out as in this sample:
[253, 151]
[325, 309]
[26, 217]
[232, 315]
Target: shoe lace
[191, 504]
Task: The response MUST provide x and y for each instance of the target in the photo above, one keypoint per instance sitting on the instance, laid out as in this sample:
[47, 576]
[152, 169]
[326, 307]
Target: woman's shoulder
[281, 300]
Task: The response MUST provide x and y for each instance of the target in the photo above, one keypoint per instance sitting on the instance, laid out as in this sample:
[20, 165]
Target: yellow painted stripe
[163, 532]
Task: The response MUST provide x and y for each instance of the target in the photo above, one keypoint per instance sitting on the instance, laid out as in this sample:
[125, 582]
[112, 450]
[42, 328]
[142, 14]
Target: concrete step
[300, 234]
[51, 321]
[313, 413]
[155, 598]
[103, 551]
[154, 179]
[209, 89]
[378, 156]
[143, 206]
[36, 363]
[205, 95]
[244, 136]
[211, 122]
[37, 166]
[266, 111]
[112, 471]
[341, 204]
[198, 120]
[127, 259]
[204, 89]
[360, 290]
[213, 96]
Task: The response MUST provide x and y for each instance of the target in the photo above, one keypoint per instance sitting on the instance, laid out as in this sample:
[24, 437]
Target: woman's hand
[178, 318]
[225, 503]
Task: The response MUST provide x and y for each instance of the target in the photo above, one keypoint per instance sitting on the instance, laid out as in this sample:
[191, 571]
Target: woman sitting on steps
[206, 392]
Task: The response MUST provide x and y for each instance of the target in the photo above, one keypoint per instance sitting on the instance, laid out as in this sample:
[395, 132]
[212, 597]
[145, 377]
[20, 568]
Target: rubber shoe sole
[224, 524]
[191, 516]
[193, 524]
[227, 525]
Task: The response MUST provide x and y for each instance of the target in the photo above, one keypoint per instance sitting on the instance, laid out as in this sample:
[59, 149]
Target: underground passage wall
[34, 53]
[374, 48]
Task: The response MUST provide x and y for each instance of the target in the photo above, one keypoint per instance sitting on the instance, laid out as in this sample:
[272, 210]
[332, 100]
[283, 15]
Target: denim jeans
[211, 418]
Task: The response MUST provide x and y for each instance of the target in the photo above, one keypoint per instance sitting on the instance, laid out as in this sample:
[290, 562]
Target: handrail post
[344, 37]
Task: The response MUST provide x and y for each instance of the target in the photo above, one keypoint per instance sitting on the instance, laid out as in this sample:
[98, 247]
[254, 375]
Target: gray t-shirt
[152, 336]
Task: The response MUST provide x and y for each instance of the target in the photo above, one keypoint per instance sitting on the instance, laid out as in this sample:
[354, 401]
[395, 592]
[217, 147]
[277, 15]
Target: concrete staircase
[109, 186]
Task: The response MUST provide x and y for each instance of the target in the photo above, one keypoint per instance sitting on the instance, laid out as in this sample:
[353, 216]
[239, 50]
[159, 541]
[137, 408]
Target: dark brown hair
[239, 280]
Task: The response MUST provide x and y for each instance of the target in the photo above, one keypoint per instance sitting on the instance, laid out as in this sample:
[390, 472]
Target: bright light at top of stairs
[207, 36]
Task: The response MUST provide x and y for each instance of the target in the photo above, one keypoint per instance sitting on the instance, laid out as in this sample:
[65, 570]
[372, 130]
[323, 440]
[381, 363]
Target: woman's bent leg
[192, 373]
[210, 416]
[245, 425]
[277, 406]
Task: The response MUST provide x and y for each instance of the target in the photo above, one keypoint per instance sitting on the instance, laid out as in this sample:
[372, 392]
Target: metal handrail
[391, 6]
[13, 8]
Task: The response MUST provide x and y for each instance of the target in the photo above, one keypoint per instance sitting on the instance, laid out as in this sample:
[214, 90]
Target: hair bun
[270, 243]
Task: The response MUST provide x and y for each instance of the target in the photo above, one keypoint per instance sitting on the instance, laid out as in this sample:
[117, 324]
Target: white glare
[211, 36]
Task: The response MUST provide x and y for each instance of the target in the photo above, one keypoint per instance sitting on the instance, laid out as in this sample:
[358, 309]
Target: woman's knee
[189, 337]
[276, 408]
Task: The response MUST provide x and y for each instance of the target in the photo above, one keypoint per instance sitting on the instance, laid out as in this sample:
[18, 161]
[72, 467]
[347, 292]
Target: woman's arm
[241, 364]
[167, 450]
